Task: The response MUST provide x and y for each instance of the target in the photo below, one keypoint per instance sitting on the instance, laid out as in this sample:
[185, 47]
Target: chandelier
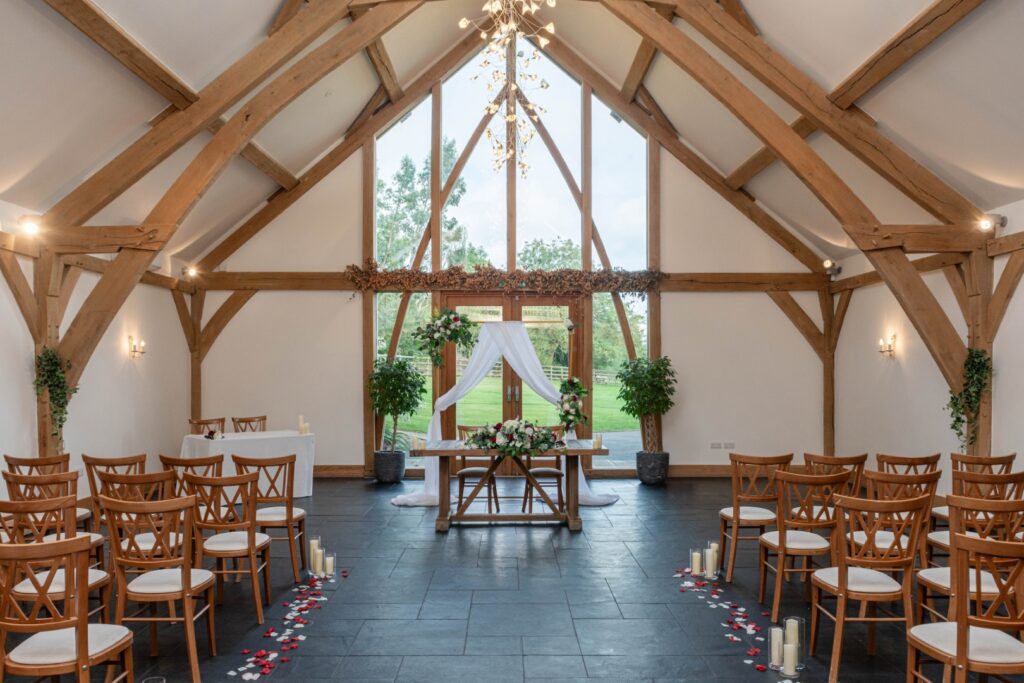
[505, 66]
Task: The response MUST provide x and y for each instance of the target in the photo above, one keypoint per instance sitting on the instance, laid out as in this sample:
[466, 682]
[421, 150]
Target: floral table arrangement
[446, 326]
[570, 407]
[514, 438]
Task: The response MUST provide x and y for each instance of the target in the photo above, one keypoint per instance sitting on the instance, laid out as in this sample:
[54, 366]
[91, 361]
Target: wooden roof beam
[382, 66]
[179, 126]
[657, 126]
[929, 319]
[941, 16]
[289, 8]
[922, 265]
[641, 62]
[352, 141]
[919, 239]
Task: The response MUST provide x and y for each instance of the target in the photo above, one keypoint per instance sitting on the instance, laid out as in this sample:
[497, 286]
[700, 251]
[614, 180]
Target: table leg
[443, 494]
[572, 493]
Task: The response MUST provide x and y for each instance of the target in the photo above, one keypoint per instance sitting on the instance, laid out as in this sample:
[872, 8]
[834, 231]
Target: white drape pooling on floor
[497, 340]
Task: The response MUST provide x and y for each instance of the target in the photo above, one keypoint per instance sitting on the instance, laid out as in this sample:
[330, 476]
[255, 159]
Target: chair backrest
[969, 484]
[137, 487]
[805, 500]
[29, 521]
[994, 464]
[205, 467]
[49, 465]
[257, 423]
[130, 464]
[39, 486]
[903, 519]
[892, 486]
[753, 478]
[205, 425]
[1000, 520]
[464, 432]
[908, 464]
[829, 464]
[275, 481]
[1000, 608]
[559, 432]
[168, 528]
[33, 611]
[224, 503]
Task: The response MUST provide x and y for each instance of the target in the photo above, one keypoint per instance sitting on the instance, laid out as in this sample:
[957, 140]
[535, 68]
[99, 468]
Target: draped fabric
[508, 340]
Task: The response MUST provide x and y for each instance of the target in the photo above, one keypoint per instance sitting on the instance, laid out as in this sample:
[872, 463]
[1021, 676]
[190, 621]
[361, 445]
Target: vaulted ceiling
[68, 106]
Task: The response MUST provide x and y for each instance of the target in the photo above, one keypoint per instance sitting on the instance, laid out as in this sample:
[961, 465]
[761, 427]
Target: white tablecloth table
[259, 445]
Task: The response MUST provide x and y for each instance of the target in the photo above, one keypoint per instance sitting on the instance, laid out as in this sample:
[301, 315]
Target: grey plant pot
[389, 466]
[652, 468]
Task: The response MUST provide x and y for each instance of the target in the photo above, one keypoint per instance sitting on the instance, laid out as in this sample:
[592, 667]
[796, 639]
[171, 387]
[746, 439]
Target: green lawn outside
[483, 405]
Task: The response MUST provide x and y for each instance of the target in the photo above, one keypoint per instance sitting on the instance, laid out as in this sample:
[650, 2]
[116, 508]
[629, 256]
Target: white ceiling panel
[607, 43]
[426, 34]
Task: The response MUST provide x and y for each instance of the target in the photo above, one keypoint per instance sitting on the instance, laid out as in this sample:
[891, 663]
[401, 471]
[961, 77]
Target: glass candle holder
[711, 560]
[696, 562]
[794, 631]
[330, 565]
[314, 549]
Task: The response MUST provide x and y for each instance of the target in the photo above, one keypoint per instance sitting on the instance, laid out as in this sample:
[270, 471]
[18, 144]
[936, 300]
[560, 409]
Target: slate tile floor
[508, 603]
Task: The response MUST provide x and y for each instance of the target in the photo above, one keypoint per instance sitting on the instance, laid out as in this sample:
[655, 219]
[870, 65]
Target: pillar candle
[789, 660]
[776, 647]
[314, 544]
[329, 565]
[318, 561]
[793, 632]
[710, 561]
[714, 546]
[695, 563]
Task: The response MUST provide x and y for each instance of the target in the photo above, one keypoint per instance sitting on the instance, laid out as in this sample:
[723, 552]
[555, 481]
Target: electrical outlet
[716, 444]
[729, 444]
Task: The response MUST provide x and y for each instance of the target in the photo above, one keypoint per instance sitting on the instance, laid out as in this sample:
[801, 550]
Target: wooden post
[587, 181]
[979, 296]
[198, 302]
[369, 303]
[510, 162]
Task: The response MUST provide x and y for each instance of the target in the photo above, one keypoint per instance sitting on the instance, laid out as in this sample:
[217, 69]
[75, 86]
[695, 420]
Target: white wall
[123, 406]
[298, 353]
[746, 375]
[897, 405]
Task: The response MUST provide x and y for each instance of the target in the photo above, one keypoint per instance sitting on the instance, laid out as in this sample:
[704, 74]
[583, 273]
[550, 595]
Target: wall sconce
[136, 349]
[887, 348]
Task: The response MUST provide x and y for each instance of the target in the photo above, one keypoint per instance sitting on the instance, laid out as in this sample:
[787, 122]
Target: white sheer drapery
[508, 340]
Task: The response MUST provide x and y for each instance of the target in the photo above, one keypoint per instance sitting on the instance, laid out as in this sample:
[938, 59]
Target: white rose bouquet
[514, 438]
[570, 407]
[446, 326]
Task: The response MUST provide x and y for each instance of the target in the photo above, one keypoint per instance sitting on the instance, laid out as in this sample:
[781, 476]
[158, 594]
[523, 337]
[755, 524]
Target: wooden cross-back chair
[753, 482]
[130, 464]
[864, 568]
[548, 477]
[257, 423]
[472, 474]
[275, 488]
[53, 464]
[804, 509]
[995, 464]
[829, 464]
[137, 487]
[908, 464]
[210, 466]
[982, 485]
[28, 487]
[62, 640]
[44, 520]
[205, 425]
[995, 519]
[152, 542]
[226, 507]
[981, 634]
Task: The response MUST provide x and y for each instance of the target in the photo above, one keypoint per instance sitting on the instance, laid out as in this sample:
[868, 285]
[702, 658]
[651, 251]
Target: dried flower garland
[513, 438]
[570, 408]
[446, 326]
[486, 278]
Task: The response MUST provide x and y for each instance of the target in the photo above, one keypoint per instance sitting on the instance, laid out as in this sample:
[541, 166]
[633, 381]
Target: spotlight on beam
[991, 222]
[190, 272]
[29, 225]
[831, 267]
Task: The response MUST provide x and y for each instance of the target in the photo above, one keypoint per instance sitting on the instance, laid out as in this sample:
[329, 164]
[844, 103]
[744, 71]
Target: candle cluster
[321, 563]
[303, 425]
[785, 646]
[704, 562]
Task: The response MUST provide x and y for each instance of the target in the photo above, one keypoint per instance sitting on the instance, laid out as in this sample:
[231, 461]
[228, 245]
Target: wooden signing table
[444, 451]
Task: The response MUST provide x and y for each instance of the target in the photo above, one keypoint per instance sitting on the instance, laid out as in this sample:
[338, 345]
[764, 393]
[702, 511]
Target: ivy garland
[487, 278]
[50, 377]
[965, 404]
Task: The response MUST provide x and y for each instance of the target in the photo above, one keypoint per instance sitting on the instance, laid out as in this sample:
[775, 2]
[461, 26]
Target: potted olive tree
[396, 389]
[646, 392]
